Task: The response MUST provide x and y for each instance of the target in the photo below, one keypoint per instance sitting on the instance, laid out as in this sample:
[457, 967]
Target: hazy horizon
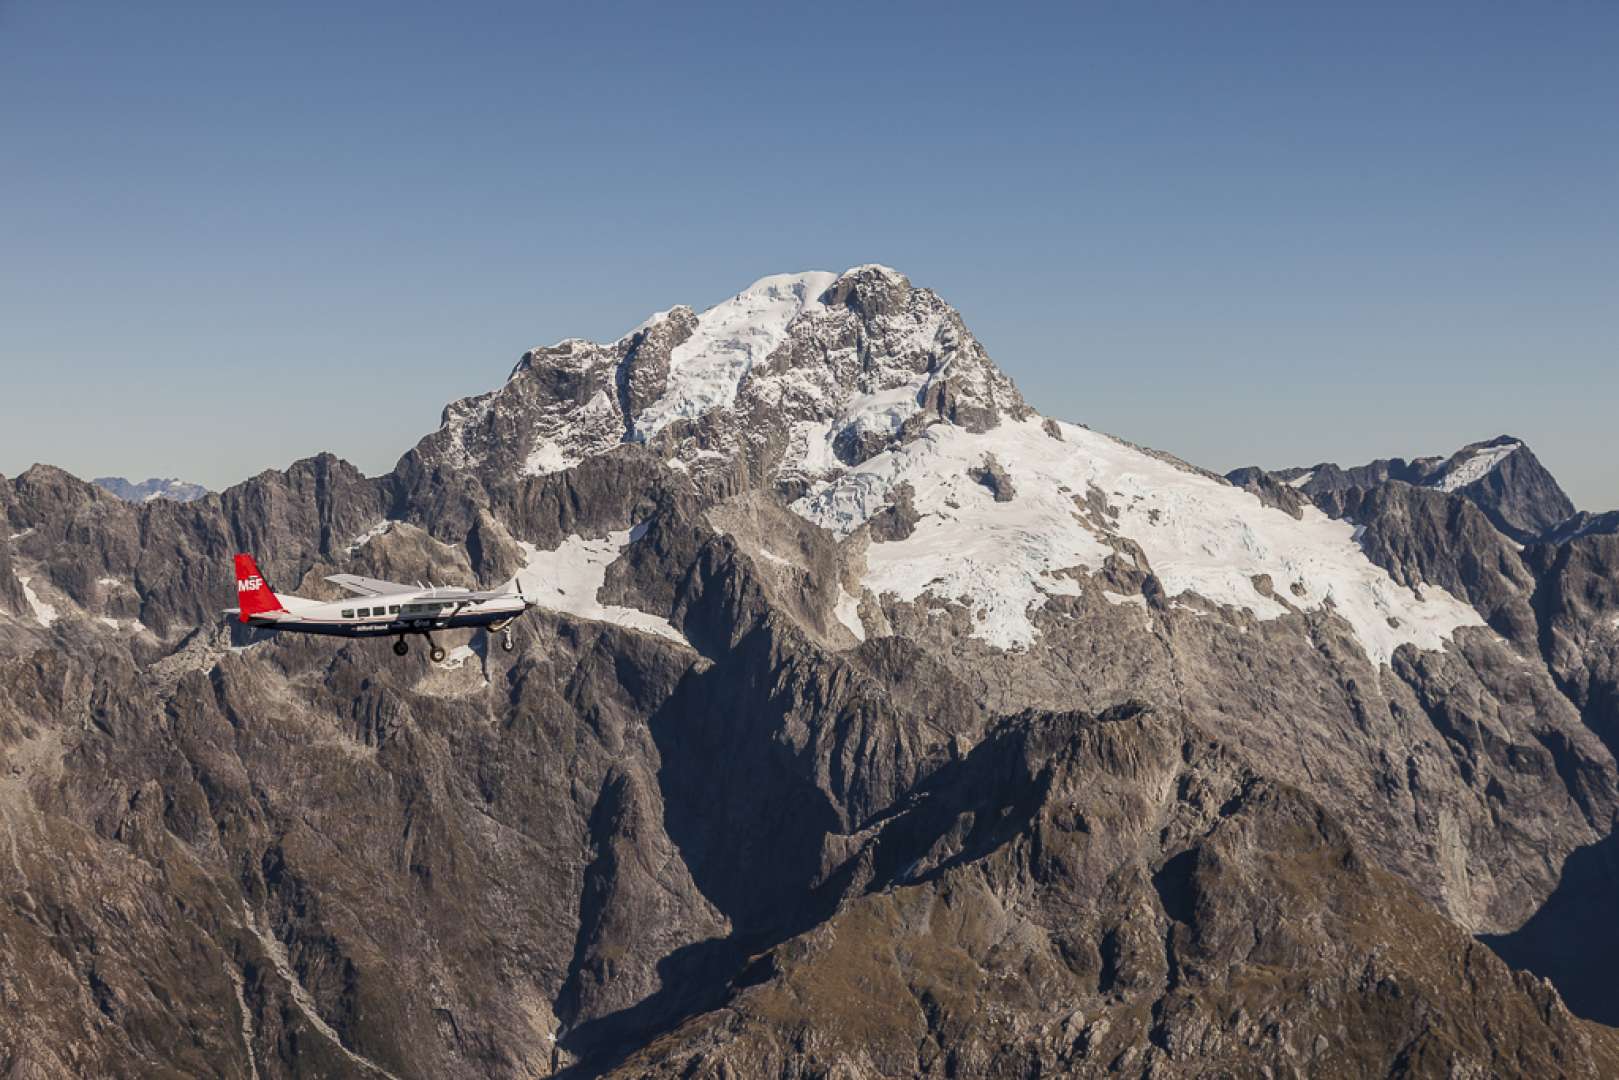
[238, 237]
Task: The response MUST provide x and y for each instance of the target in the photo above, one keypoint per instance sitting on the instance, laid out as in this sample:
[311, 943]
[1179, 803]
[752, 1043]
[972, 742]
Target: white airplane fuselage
[397, 613]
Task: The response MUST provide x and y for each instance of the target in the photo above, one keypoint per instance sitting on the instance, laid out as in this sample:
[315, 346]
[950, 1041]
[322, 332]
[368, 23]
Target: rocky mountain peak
[796, 375]
[1501, 476]
[866, 405]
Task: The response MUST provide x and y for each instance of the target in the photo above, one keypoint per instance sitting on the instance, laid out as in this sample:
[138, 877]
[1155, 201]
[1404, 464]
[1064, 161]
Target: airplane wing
[495, 594]
[369, 586]
[466, 596]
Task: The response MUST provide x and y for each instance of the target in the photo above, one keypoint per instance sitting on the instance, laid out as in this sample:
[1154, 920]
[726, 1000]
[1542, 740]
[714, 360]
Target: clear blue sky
[232, 235]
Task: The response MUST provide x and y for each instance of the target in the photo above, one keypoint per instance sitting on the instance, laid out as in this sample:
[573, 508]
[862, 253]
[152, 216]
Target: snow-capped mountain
[1043, 563]
[869, 722]
[147, 490]
[866, 398]
[794, 377]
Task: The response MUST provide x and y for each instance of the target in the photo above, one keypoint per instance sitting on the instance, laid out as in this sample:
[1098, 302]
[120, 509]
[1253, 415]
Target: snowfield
[731, 337]
[45, 613]
[1199, 535]
[568, 578]
[1477, 467]
[854, 383]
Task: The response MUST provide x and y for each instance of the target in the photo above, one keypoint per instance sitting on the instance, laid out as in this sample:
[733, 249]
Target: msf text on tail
[377, 609]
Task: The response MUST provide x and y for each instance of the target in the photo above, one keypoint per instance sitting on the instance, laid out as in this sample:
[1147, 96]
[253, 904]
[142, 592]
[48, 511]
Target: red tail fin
[253, 596]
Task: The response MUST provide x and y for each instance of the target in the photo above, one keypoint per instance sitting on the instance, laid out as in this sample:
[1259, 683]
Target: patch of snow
[109, 622]
[20, 535]
[809, 447]
[731, 337]
[45, 613]
[369, 535]
[883, 413]
[1300, 481]
[848, 613]
[568, 578]
[547, 457]
[458, 656]
[1198, 536]
[1062, 585]
[886, 411]
[1475, 468]
[648, 322]
[459, 417]
[886, 271]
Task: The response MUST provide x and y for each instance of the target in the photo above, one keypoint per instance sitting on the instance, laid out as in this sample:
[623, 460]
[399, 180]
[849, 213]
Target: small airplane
[378, 608]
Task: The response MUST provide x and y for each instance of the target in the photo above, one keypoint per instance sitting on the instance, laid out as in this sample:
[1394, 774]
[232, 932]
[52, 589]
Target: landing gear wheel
[506, 641]
[438, 654]
[400, 648]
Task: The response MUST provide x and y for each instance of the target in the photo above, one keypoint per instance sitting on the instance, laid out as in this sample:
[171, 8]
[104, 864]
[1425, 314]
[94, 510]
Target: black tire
[438, 654]
[400, 648]
[506, 643]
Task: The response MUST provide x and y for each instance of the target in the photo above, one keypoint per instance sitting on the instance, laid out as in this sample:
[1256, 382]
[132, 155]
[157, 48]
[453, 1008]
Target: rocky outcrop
[1270, 490]
[1501, 476]
[1518, 494]
[1577, 602]
[1094, 895]
[992, 475]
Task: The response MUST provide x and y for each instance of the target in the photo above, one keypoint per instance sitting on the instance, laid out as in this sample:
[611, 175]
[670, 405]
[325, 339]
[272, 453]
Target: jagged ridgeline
[871, 724]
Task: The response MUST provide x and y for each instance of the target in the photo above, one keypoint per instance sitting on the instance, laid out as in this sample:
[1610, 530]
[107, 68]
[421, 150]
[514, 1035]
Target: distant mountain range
[872, 724]
[146, 490]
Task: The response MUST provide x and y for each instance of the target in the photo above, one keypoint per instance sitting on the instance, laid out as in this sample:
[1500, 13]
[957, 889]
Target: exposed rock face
[1554, 599]
[992, 475]
[972, 743]
[1501, 476]
[1270, 490]
[1116, 894]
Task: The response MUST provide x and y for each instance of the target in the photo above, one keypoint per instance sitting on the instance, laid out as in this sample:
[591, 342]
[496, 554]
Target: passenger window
[365, 612]
[393, 609]
[348, 614]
